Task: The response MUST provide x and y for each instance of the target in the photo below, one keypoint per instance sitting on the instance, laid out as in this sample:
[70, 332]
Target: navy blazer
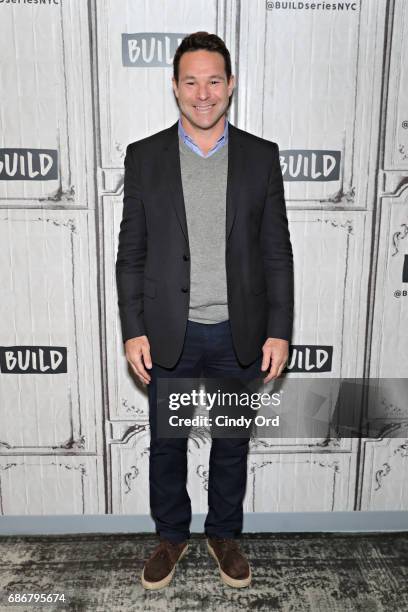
[153, 259]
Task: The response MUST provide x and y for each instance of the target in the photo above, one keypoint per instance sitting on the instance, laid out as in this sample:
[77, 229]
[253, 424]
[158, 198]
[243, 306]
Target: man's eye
[189, 83]
[214, 82]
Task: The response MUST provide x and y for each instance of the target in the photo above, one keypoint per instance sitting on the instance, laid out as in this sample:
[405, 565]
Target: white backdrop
[79, 81]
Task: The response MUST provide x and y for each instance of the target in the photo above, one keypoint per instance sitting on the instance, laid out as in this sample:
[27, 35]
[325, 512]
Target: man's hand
[275, 355]
[138, 355]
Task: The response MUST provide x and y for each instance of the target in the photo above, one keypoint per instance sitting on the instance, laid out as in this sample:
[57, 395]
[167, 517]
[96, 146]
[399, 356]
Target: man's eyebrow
[213, 76]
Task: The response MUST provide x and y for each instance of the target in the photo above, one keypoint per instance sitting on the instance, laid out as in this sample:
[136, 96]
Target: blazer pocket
[149, 287]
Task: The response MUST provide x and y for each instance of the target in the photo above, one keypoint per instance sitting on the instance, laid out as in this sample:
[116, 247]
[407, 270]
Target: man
[205, 288]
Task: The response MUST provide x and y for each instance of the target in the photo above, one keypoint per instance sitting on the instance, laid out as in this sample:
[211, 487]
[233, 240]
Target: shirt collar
[185, 137]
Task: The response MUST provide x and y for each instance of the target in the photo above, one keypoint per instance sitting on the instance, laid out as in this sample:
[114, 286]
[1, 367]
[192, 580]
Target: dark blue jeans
[208, 351]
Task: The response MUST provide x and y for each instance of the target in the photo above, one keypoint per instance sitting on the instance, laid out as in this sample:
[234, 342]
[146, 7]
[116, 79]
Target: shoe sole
[232, 582]
[160, 584]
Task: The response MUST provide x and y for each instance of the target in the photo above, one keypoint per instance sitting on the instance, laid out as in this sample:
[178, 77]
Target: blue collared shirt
[192, 145]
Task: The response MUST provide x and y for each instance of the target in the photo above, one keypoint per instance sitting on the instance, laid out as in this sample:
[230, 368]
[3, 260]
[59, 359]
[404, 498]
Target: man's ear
[231, 84]
[175, 86]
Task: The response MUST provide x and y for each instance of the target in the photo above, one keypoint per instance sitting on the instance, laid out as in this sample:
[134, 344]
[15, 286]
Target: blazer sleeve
[277, 255]
[131, 253]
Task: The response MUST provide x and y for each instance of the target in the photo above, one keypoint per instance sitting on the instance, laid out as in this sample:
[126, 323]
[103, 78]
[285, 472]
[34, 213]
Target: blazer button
[184, 289]
[186, 257]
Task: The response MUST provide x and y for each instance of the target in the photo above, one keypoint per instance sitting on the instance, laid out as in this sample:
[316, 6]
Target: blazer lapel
[235, 175]
[172, 176]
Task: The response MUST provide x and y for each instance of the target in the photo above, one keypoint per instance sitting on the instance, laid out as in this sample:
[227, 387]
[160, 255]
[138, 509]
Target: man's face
[203, 91]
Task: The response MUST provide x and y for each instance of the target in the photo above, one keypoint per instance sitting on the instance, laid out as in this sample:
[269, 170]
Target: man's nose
[203, 92]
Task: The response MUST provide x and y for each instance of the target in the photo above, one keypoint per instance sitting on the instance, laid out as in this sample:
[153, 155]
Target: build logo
[405, 270]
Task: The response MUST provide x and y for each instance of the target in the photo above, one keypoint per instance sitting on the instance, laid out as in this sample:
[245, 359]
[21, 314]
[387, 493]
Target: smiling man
[205, 288]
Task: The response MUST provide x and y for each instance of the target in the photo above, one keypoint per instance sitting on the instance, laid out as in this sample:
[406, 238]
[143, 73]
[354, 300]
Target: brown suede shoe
[160, 566]
[234, 567]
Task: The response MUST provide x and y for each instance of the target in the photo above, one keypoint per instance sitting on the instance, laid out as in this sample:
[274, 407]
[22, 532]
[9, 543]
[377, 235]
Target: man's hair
[205, 41]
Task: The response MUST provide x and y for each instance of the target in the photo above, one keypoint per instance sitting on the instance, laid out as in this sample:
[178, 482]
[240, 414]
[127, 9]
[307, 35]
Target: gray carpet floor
[291, 573]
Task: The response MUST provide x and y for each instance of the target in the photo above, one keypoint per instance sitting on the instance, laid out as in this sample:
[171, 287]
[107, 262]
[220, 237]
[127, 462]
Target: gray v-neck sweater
[204, 181]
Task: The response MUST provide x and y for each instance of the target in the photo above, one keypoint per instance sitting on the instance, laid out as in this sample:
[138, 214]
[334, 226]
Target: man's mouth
[204, 108]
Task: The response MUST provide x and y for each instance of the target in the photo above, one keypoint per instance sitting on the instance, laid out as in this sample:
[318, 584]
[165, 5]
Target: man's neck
[205, 139]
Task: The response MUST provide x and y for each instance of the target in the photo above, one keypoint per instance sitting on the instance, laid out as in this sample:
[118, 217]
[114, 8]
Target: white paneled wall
[81, 80]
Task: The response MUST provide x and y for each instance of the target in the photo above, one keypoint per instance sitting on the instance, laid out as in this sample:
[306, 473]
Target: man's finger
[272, 374]
[140, 370]
[266, 359]
[275, 371]
[281, 368]
[146, 356]
[142, 380]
